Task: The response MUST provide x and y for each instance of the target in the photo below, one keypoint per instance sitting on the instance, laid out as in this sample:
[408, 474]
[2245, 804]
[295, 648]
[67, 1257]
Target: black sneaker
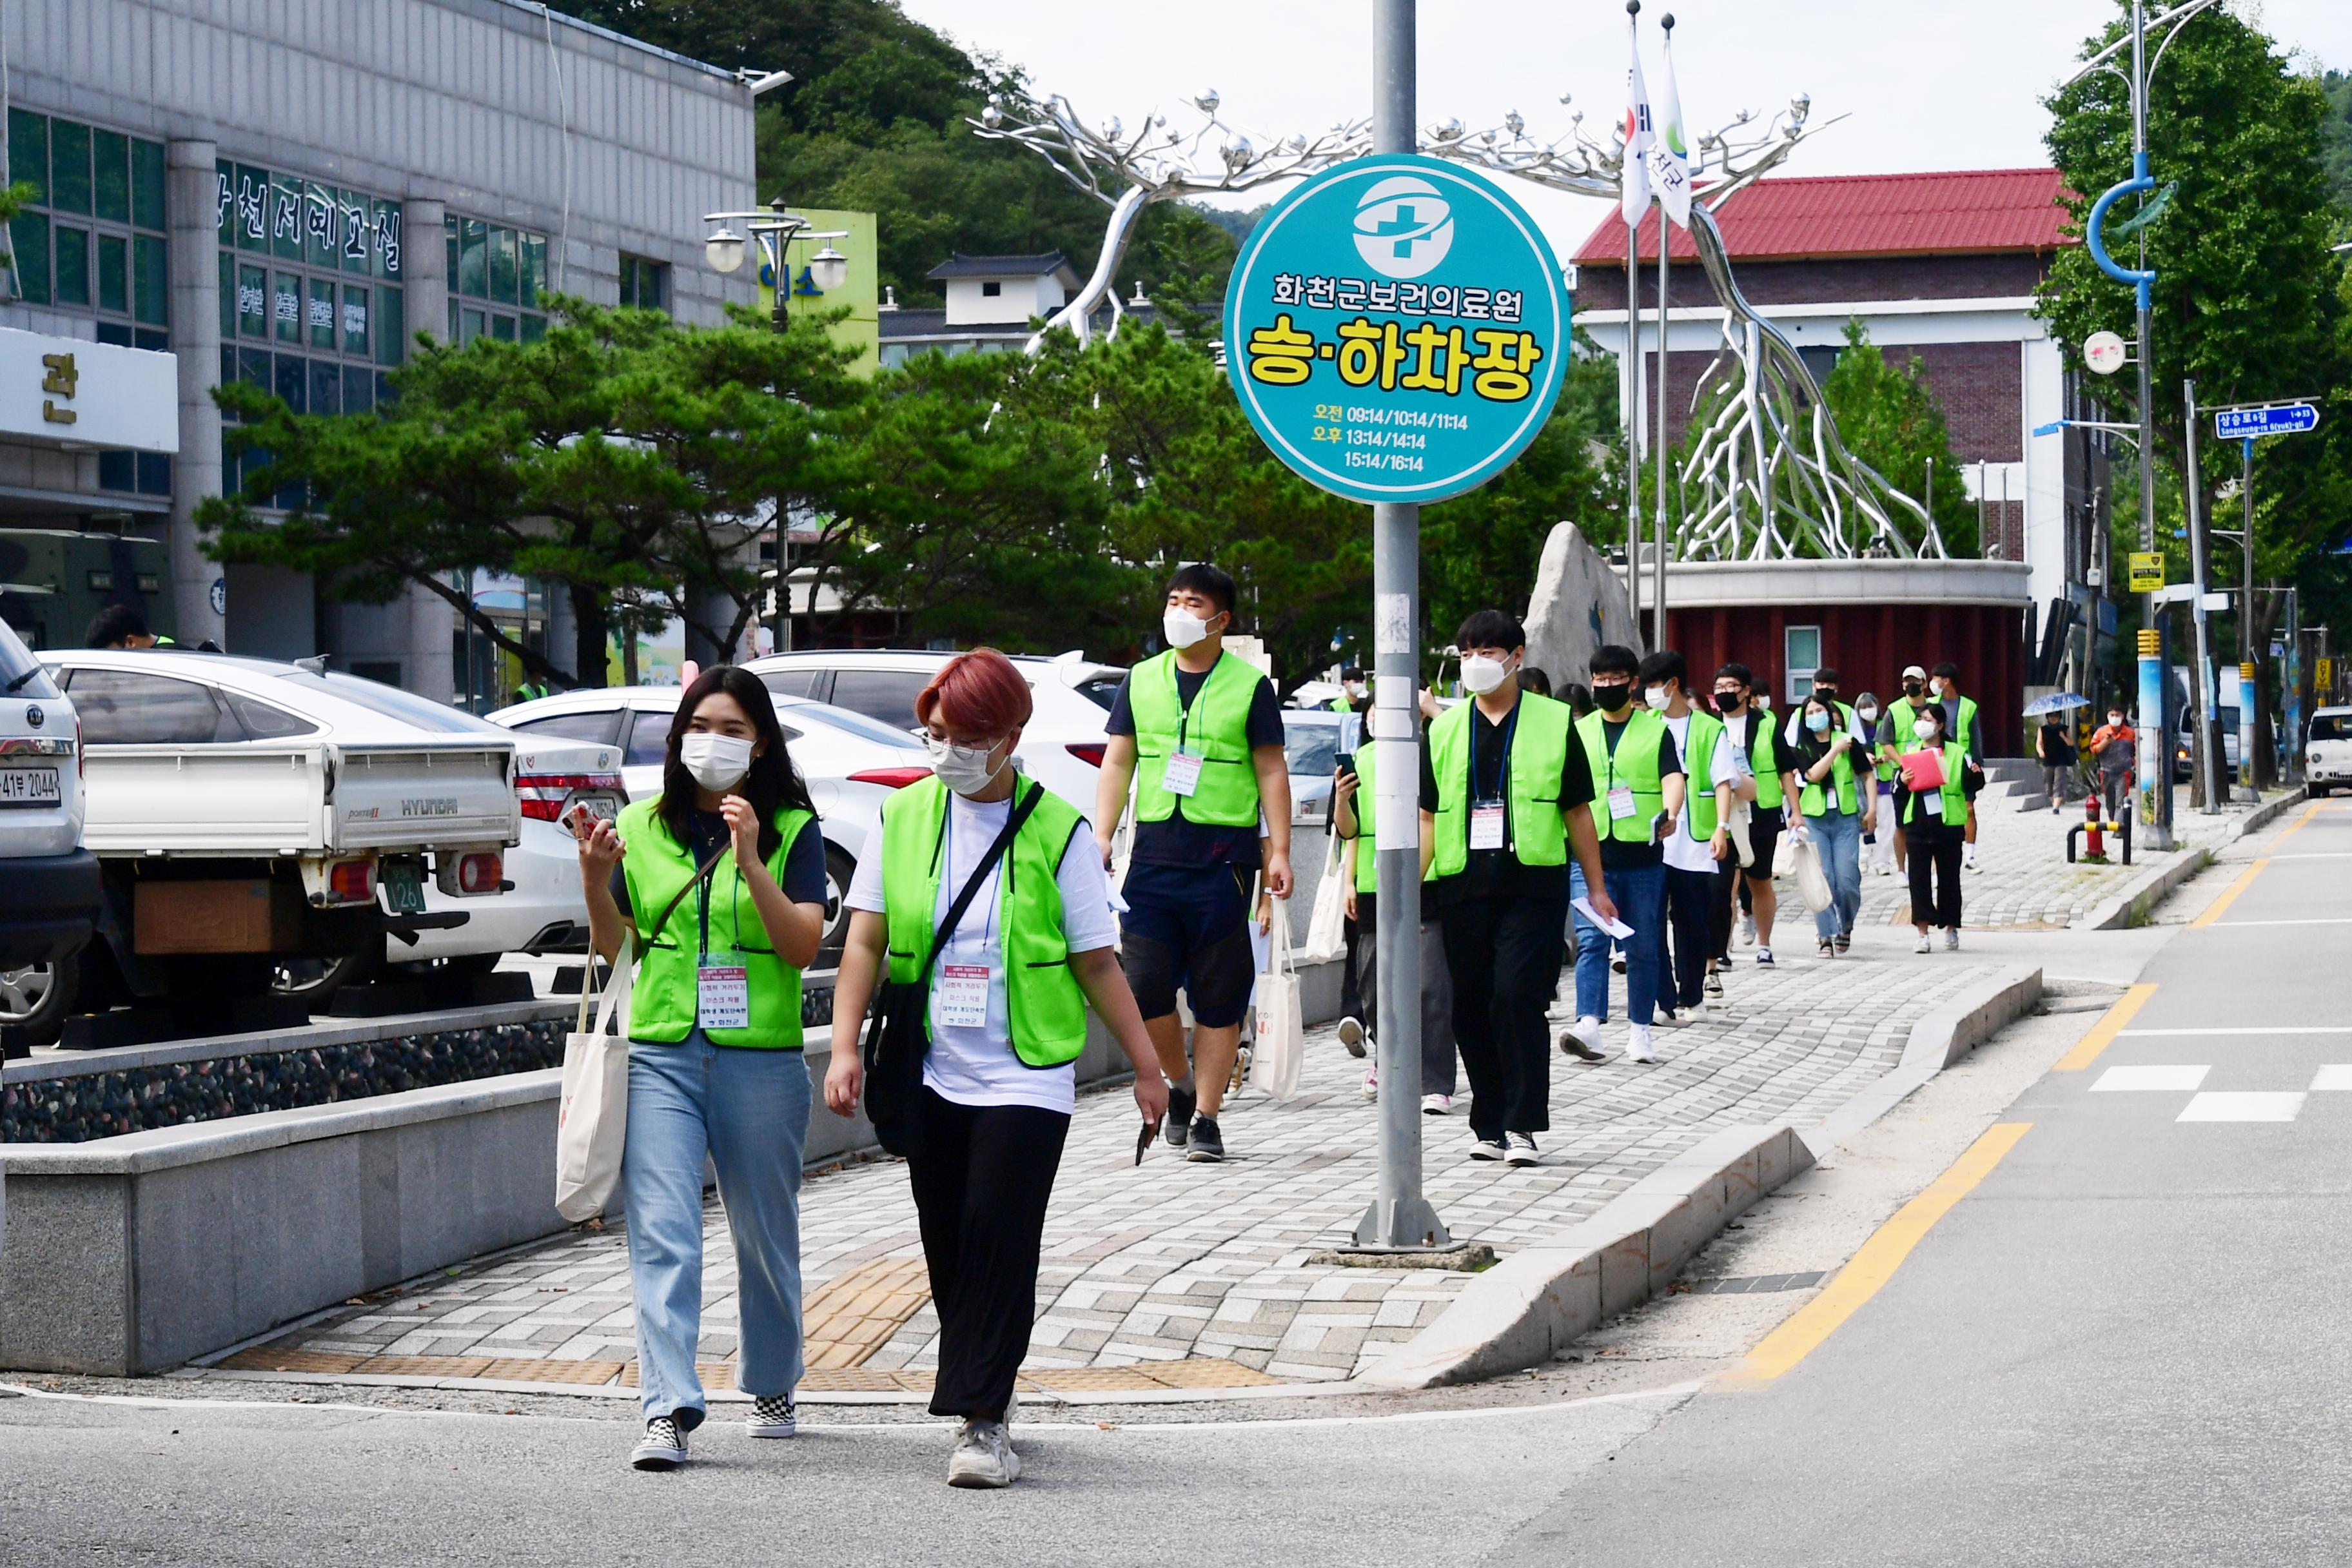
[1179, 1124]
[1208, 1143]
[663, 1448]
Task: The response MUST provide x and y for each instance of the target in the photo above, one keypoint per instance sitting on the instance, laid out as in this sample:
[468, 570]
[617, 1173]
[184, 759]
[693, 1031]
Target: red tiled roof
[1961, 212]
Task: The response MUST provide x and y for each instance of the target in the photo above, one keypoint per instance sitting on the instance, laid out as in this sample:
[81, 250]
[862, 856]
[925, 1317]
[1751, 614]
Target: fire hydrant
[2094, 843]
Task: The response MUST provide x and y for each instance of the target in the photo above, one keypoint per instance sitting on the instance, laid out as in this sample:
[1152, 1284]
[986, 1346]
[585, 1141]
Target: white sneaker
[1677, 1019]
[1373, 1082]
[1924, 945]
[1968, 860]
[1351, 1035]
[772, 1416]
[1748, 931]
[1522, 1149]
[983, 1456]
[1952, 940]
[1638, 1045]
[1437, 1105]
[1582, 1040]
[1764, 957]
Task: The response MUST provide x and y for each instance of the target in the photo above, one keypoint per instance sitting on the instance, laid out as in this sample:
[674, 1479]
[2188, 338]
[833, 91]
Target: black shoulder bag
[897, 1035]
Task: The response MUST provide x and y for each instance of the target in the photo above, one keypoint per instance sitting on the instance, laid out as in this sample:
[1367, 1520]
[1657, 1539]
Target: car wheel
[35, 1000]
[315, 980]
[840, 868]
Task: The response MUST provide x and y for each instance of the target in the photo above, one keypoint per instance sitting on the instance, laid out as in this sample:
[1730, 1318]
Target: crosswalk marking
[2333, 1076]
[2243, 1105]
[2175, 1079]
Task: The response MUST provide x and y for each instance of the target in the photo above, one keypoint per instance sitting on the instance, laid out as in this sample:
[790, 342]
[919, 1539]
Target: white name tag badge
[1486, 824]
[722, 992]
[1933, 804]
[1621, 803]
[963, 995]
[1182, 776]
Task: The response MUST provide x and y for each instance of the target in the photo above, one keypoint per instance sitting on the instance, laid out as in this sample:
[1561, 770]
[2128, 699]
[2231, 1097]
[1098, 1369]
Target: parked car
[851, 763]
[52, 882]
[1062, 747]
[2327, 752]
[246, 813]
[1314, 740]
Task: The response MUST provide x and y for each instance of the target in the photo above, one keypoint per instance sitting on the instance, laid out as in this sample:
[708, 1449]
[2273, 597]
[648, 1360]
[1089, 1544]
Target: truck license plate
[30, 787]
[404, 887]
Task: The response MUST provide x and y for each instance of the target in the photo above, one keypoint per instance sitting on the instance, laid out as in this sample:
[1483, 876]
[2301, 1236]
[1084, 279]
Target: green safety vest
[1903, 712]
[1634, 764]
[1532, 767]
[1045, 1008]
[1965, 730]
[1765, 761]
[654, 866]
[1956, 797]
[1217, 727]
[1367, 880]
[1700, 741]
[1811, 800]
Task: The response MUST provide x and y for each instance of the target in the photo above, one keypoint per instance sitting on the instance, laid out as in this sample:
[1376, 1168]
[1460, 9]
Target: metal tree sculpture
[1767, 476]
[1157, 162]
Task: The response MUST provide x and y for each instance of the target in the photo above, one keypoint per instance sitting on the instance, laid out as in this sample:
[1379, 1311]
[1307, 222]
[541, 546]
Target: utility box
[250, 914]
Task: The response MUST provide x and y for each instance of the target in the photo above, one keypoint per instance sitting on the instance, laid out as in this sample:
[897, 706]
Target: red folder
[1923, 769]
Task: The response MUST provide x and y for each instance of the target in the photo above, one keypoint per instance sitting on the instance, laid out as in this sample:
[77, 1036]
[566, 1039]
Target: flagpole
[1635, 381]
[1666, 243]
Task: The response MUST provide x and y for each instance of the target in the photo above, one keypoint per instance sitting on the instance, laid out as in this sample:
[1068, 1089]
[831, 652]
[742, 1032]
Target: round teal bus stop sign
[1397, 329]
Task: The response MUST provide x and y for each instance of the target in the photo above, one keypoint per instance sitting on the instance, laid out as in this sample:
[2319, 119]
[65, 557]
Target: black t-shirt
[1176, 842]
[1615, 854]
[1498, 873]
[803, 881]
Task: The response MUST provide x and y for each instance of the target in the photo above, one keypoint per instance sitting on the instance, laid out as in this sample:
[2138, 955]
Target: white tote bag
[1280, 1050]
[1812, 882]
[1327, 929]
[593, 1122]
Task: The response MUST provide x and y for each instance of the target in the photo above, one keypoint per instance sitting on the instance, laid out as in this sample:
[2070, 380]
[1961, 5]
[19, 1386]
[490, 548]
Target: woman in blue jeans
[1828, 779]
[717, 887]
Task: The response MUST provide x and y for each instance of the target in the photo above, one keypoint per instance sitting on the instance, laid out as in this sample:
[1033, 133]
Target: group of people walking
[985, 906]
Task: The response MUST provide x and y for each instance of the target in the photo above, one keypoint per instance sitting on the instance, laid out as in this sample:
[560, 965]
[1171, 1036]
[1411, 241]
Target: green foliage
[1890, 420]
[620, 460]
[2336, 138]
[2249, 302]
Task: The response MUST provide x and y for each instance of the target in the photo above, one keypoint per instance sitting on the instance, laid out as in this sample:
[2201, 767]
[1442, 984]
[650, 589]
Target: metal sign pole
[2204, 695]
[1399, 1218]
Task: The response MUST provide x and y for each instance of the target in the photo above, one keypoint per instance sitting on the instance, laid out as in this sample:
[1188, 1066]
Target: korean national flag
[1637, 143]
[1669, 154]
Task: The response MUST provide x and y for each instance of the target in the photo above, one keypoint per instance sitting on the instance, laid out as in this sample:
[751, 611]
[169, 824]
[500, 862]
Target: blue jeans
[747, 1110]
[1640, 896]
[1838, 836]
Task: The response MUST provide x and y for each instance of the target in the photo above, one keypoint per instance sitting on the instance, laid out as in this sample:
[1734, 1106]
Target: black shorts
[1188, 927]
[1763, 840]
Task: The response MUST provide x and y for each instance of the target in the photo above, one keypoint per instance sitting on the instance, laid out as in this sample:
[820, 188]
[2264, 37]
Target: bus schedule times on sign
[1397, 330]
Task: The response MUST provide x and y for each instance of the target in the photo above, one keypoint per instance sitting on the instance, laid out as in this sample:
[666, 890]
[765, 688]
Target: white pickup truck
[246, 813]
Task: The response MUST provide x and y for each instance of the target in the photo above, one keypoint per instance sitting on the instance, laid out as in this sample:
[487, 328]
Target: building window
[496, 278]
[312, 307]
[91, 242]
[1800, 656]
[992, 289]
[645, 284]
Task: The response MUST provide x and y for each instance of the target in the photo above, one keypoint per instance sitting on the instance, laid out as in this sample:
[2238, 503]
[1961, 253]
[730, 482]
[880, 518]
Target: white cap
[1909, 671]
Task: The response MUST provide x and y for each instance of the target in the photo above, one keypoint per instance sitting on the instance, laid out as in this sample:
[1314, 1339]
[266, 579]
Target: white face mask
[1816, 722]
[1923, 728]
[1869, 715]
[963, 769]
[1183, 628]
[1655, 696]
[1481, 675]
[2115, 719]
[717, 761]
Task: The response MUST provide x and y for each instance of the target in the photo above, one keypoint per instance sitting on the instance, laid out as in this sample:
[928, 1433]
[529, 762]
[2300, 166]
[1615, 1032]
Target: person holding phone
[1006, 1019]
[715, 889]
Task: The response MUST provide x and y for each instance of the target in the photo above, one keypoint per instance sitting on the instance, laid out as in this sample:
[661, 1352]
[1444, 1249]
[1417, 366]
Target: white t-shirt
[976, 1066]
[1684, 853]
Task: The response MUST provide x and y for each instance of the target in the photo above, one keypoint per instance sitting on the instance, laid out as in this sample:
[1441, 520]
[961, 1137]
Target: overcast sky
[1929, 84]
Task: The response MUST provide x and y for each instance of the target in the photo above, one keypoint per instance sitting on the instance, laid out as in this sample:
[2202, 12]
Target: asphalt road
[2127, 1344]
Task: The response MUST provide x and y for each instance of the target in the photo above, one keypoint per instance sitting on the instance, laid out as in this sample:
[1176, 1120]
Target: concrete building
[284, 194]
[991, 301]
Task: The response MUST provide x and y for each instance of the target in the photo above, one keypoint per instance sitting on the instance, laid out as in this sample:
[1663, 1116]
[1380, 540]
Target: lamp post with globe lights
[773, 229]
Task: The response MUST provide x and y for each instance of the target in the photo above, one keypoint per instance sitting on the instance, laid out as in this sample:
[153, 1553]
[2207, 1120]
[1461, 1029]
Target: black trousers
[982, 1175]
[1936, 853]
[1437, 1076]
[1690, 918]
[1504, 955]
[1729, 880]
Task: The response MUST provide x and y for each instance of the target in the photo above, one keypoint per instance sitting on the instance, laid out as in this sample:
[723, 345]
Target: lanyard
[1183, 703]
[996, 876]
[1612, 734]
[1502, 764]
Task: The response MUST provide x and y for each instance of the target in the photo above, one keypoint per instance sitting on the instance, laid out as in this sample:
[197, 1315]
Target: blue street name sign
[2287, 419]
[1397, 330]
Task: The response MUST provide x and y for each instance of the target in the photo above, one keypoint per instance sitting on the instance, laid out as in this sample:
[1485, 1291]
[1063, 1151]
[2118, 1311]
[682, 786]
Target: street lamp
[773, 229]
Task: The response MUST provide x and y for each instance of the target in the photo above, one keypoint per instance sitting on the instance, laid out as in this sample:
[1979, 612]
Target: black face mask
[1911, 689]
[1826, 693]
[1612, 697]
[1726, 702]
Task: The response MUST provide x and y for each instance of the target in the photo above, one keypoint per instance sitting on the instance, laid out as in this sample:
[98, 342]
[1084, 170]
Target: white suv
[1062, 747]
[52, 882]
[2327, 752]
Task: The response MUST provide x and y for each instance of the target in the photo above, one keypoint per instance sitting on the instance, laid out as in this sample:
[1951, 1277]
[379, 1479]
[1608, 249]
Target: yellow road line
[2102, 1032]
[2214, 911]
[1876, 1264]
[2300, 823]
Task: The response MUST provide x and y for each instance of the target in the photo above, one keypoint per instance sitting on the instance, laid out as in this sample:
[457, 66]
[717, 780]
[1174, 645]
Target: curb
[1537, 1302]
[2133, 903]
